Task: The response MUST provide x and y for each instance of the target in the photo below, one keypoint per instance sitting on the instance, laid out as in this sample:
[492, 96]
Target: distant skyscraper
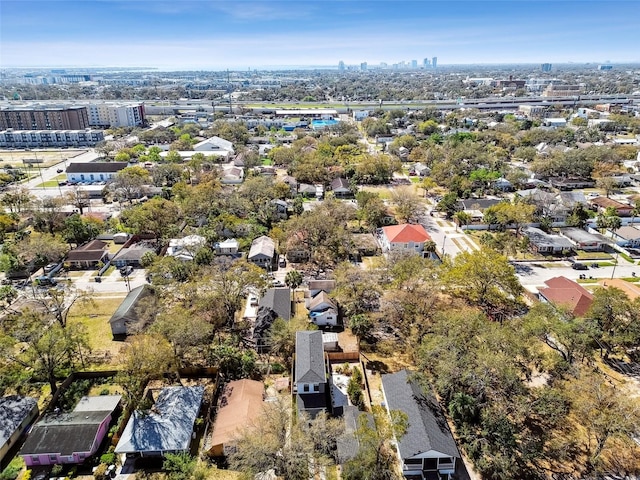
[434, 62]
[546, 67]
[414, 63]
[605, 67]
[341, 66]
[363, 66]
[426, 62]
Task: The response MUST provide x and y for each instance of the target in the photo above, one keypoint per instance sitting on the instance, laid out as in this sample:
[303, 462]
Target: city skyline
[257, 34]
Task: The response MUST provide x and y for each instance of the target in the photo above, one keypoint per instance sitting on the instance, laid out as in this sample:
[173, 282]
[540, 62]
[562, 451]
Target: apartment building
[43, 117]
[50, 138]
[115, 115]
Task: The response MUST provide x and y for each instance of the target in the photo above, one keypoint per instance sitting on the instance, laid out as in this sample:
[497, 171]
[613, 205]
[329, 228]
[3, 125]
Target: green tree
[293, 279]
[128, 183]
[407, 205]
[484, 278]
[158, 217]
[78, 230]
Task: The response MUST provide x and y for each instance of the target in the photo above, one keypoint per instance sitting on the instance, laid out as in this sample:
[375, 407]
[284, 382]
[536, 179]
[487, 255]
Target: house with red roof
[566, 293]
[403, 238]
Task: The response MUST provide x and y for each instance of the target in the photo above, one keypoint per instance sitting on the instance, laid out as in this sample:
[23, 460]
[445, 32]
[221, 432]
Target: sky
[240, 34]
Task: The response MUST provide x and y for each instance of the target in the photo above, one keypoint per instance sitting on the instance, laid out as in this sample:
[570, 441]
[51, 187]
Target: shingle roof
[339, 184]
[240, 403]
[127, 308]
[167, 427]
[262, 246]
[564, 292]
[428, 428]
[406, 233]
[96, 167]
[310, 367]
[278, 300]
[13, 410]
[321, 298]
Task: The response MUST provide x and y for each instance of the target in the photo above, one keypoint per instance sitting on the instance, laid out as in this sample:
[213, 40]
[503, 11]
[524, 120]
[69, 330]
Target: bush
[13, 469]
[56, 470]
[108, 458]
[355, 392]
[357, 376]
[70, 397]
[277, 368]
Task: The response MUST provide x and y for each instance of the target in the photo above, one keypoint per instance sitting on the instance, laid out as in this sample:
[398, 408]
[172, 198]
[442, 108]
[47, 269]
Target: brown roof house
[240, 404]
[89, 255]
[566, 293]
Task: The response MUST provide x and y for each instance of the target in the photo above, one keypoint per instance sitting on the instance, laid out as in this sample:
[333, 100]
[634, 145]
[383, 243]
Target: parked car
[579, 266]
[282, 262]
[51, 266]
[126, 271]
[45, 281]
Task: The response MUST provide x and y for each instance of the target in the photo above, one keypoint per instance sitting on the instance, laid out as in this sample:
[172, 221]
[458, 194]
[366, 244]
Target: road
[449, 239]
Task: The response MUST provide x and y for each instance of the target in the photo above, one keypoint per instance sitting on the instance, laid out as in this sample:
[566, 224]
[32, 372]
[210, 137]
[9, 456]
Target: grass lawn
[266, 161]
[582, 255]
[97, 323]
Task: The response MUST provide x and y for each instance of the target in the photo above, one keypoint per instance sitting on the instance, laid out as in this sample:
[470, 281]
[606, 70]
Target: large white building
[115, 115]
[49, 138]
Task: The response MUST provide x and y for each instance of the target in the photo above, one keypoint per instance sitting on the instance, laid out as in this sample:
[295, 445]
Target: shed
[126, 319]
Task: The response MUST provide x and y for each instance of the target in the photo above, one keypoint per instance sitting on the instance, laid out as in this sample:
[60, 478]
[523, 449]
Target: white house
[93, 171]
[214, 144]
[323, 310]
[185, 248]
[262, 252]
[227, 247]
[403, 238]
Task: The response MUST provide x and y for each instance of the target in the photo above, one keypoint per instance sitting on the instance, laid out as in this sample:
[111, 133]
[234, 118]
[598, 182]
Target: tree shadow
[377, 366]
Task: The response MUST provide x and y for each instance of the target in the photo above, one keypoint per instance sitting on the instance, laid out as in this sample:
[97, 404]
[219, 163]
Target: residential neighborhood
[239, 287]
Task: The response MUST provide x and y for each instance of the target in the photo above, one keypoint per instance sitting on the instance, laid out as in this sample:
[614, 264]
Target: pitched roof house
[323, 310]
[427, 450]
[262, 252]
[240, 404]
[405, 237]
[543, 242]
[88, 255]
[341, 187]
[16, 414]
[311, 373]
[167, 427]
[93, 171]
[277, 300]
[60, 438]
[126, 317]
[566, 293]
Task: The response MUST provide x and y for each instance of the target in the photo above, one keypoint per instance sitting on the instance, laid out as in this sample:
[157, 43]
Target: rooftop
[406, 233]
[310, 365]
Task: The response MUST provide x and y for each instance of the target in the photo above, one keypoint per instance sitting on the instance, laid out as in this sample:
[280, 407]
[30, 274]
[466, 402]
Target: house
[307, 190]
[231, 175]
[227, 247]
[89, 255]
[167, 427]
[566, 293]
[262, 252]
[16, 414]
[403, 238]
[93, 171]
[600, 204]
[240, 405]
[126, 319]
[280, 208]
[627, 236]
[311, 373]
[563, 183]
[341, 188]
[317, 286]
[120, 238]
[584, 240]
[555, 122]
[185, 248]
[323, 310]
[278, 300]
[427, 449]
[502, 184]
[70, 437]
[477, 203]
[297, 248]
[363, 245]
[421, 169]
[214, 144]
[542, 242]
[131, 256]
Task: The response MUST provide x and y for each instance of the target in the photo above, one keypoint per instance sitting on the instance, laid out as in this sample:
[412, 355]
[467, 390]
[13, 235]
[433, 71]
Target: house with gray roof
[16, 414]
[70, 437]
[311, 373]
[278, 300]
[542, 242]
[323, 310]
[126, 319]
[584, 240]
[341, 187]
[427, 449]
[262, 252]
[167, 427]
